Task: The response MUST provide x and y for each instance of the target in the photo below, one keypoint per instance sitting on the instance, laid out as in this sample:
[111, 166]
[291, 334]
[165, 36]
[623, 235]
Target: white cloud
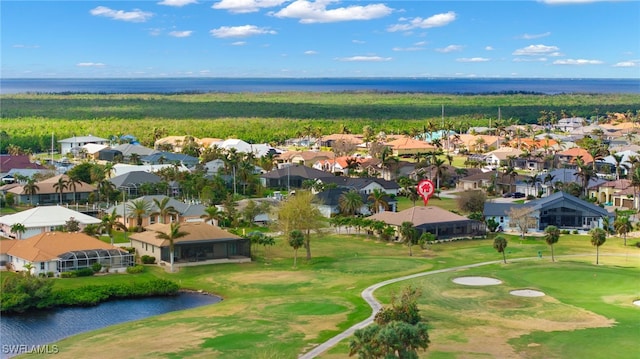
[578, 62]
[537, 50]
[489, 48]
[364, 59]
[420, 43]
[245, 6]
[630, 63]
[473, 59]
[90, 64]
[412, 48]
[310, 52]
[530, 59]
[450, 48]
[240, 31]
[177, 3]
[317, 12]
[239, 43]
[359, 42]
[535, 36]
[21, 46]
[130, 16]
[437, 20]
[185, 33]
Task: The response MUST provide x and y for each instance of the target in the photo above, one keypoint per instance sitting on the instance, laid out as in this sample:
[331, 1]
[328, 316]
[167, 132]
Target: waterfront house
[42, 219]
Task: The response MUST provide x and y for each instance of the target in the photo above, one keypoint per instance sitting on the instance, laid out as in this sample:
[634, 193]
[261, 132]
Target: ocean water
[235, 85]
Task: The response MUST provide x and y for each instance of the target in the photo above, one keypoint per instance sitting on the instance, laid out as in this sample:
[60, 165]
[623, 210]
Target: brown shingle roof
[418, 216]
[197, 231]
[50, 245]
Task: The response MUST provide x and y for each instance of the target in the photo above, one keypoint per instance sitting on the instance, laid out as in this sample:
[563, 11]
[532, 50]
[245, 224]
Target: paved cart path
[367, 295]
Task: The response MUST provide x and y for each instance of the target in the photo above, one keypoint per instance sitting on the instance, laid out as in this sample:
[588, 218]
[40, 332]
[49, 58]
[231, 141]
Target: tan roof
[504, 153]
[6, 244]
[355, 139]
[470, 141]
[409, 143]
[47, 186]
[418, 216]
[197, 231]
[306, 155]
[50, 245]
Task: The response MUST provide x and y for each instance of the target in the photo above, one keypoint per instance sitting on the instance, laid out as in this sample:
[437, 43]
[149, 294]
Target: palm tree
[296, 240]
[619, 165]
[18, 229]
[72, 184]
[623, 226]
[440, 168]
[409, 234]
[138, 209]
[60, 186]
[173, 234]
[163, 209]
[500, 244]
[350, 202]
[211, 214]
[598, 237]
[110, 222]
[585, 173]
[551, 236]
[377, 200]
[31, 188]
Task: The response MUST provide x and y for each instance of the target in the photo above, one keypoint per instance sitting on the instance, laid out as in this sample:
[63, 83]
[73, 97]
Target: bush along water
[22, 293]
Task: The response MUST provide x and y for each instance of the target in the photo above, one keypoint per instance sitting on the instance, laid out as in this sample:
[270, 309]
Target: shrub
[575, 231]
[96, 267]
[50, 274]
[67, 275]
[530, 197]
[135, 269]
[564, 231]
[84, 272]
[148, 259]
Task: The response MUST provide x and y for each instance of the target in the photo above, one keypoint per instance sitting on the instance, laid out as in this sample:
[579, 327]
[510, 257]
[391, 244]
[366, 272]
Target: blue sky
[324, 38]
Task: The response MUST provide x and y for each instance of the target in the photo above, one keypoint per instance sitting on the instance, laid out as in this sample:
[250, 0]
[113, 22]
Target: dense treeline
[28, 120]
[23, 292]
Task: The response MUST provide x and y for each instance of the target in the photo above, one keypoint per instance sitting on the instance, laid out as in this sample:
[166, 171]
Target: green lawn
[276, 311]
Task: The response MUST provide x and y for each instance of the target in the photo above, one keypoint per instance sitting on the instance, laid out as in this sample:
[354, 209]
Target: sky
[320, 38]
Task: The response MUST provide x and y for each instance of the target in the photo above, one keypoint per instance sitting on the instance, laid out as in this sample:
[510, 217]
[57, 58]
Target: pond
[22, 332]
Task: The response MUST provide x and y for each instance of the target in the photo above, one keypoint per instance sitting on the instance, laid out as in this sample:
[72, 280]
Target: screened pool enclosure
[112, 258]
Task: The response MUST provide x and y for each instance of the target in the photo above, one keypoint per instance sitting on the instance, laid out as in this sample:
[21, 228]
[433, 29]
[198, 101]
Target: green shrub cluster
[20, 293]
[135, 269]
[148, 259]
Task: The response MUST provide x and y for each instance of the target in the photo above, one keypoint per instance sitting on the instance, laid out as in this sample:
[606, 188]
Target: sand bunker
[476, 281]
[527, 293]
[636, 302]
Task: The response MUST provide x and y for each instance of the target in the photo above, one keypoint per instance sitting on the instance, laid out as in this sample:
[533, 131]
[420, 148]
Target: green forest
[30, 120]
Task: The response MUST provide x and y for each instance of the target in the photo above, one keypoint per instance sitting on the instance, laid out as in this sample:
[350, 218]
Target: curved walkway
[367, 295]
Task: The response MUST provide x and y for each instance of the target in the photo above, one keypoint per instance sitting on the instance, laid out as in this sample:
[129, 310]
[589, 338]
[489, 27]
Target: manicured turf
[277, 311]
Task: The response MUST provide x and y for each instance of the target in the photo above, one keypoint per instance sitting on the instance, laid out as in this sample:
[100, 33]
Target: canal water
[43, 327]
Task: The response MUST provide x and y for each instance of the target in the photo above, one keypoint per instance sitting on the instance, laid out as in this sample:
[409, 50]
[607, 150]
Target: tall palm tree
[60, 186]
[439, 165]
[173, 234]
[377, 200]
[296, 240]
[350, 202]
[31, 188]
[623, 226]
[500, 244]
[619, 165]
[598, 237]
[163, 209]
[585, 173]
[138, 209]
[409, 234]
[72, 184]
[111, 222]
[551, 236]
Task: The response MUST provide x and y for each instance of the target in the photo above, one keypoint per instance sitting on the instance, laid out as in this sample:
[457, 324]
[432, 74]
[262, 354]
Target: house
[128, 150]
[185, 212]
[74, 144]
[477, 181]
[503, 156]
[364, 185]
[291, 176]
[160, 158]
[569, 124]
[561, 176]
[476, 143]
[559, 209]
[57, 252]
[136, 182]
[258, 150]
[173, 143]
[42, 219]
[407, 146]
[437, 221]
[13, 162]
[604, 192]
[331, 140]
[48, 192]
[306, 158]
[203, 243]
[342, 165]
[328, 202]
[609, 163]
[567, 158]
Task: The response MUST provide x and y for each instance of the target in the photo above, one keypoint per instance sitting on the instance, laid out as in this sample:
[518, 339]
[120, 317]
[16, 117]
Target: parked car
[518, 195]
[507, 195]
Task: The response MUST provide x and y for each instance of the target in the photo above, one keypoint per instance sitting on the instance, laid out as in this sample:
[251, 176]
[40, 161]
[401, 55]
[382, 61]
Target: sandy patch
[527, 293]
[477, 281]
[636, 302]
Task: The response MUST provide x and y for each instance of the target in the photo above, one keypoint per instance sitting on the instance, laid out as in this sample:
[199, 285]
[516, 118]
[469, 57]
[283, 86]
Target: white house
[569, 124]
[259, 149]
[76, 142]
[42, 219]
